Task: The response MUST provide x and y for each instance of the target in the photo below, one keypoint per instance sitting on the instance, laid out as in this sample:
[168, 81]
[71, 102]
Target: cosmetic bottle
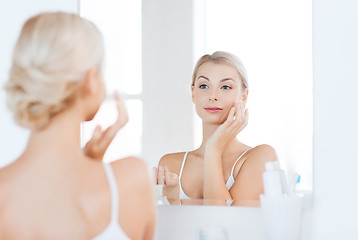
[159, 198]
[272, 181]
[283, 178]
[281, 212]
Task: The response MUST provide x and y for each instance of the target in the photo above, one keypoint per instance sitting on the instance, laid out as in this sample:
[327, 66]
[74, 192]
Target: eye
[203, 86]
[226, 87]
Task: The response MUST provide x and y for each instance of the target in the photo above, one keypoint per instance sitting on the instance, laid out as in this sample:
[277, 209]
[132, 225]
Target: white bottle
[272, 181]
[282, 176]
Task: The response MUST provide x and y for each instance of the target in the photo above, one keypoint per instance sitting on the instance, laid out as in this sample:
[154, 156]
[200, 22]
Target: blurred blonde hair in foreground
[50, 61]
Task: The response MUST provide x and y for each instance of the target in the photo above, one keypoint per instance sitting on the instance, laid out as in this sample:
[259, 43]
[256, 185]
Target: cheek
[231, 99]
[198, 97]
[103, 91]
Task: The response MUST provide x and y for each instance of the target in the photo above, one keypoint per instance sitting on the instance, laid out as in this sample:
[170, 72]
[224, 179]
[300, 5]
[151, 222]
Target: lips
[213, 109]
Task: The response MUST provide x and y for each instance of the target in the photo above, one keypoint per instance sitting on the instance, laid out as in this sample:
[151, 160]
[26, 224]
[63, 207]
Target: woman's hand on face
[98, 144]
[236, 121]
[162, 176]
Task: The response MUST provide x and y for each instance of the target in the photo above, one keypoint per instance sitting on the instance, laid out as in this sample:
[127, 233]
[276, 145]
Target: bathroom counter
[185, 222]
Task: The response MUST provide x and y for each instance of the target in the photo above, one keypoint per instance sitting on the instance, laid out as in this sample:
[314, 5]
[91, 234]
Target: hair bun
[51, 58]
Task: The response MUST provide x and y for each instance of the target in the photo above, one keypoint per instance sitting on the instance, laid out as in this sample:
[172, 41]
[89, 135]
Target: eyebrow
[227, 79]
[204, 77]
[222, 80]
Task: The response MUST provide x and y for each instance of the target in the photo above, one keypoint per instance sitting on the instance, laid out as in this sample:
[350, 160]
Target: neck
[61, 137]
[208, 130]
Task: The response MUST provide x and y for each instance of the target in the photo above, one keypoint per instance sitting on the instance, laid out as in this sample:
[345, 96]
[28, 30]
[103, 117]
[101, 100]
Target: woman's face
[216, 89]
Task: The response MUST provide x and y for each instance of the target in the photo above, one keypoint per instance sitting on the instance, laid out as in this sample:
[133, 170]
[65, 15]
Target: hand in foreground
[225, 133]
[162, 176]
[98, 144]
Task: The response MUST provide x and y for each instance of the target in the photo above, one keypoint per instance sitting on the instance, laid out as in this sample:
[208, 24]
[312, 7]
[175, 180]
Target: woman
[53, 190]
[222, 168]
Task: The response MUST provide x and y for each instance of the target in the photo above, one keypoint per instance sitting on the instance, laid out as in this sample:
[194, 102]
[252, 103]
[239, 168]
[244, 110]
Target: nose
[213, 96]
[213, 99]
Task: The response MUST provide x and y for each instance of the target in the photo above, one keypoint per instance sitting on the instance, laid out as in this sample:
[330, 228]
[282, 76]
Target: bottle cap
[269, 166]
[277, 165]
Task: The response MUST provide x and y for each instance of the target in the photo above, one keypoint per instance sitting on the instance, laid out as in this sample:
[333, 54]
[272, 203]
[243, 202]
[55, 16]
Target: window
[120, 23]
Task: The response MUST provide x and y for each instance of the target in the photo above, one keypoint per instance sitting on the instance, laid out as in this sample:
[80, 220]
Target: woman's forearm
[171, 192]
[214, 183]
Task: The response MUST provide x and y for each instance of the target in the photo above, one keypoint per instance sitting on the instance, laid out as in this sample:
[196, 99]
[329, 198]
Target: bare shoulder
[132, 168]
[136, 197]
[258, 156]
[172, 161]
[171, 157]
[131, 162]
[133, 178]
[250, 185]
[7, 179]
[2, 188]
[263, 152]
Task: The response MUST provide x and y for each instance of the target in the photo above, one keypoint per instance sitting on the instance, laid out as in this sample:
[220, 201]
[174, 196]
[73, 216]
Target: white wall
[12, 16]
[335, 64]
[167, 65]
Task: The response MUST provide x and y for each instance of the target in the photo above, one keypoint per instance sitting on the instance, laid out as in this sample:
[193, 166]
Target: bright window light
[121, 25]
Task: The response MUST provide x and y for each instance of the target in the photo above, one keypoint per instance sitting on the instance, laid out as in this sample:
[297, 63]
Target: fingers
[96, 135]
[100, 141]
[117, 97]
[108, 135]
[91, 147]
[161, 175]
[246, 116]
[242, 121]
[171, 179]
[97, 132]
[155, 175]
[122, 118]
[237, 119]
[240, 115]
[230, 117]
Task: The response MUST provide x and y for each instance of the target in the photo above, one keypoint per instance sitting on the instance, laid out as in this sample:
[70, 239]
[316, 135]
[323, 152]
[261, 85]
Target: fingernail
[161, 168]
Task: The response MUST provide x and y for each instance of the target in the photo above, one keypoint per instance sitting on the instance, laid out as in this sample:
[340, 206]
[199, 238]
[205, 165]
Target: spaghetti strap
[114, 191]
[182, 165]
[231, 179]
[113, 230]
[233, 166]
[182, 194]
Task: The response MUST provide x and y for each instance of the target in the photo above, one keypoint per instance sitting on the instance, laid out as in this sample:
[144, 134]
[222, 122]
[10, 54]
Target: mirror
[272, 38]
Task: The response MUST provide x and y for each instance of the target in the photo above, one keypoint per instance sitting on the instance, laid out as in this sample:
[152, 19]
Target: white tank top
[113, 230]
[229, 182]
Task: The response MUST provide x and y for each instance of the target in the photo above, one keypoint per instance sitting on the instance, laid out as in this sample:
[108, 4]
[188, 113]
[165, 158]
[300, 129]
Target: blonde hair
[52, 56]
[223, 57]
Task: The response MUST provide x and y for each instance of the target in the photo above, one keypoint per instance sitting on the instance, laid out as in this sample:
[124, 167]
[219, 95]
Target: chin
[212, 119]
[91, 116]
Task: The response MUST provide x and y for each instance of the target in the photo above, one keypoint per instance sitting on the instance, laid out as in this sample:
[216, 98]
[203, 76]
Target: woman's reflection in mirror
[222, 168]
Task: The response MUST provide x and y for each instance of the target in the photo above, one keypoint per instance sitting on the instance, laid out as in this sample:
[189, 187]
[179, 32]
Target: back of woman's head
[51, 58]
[226, 58]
